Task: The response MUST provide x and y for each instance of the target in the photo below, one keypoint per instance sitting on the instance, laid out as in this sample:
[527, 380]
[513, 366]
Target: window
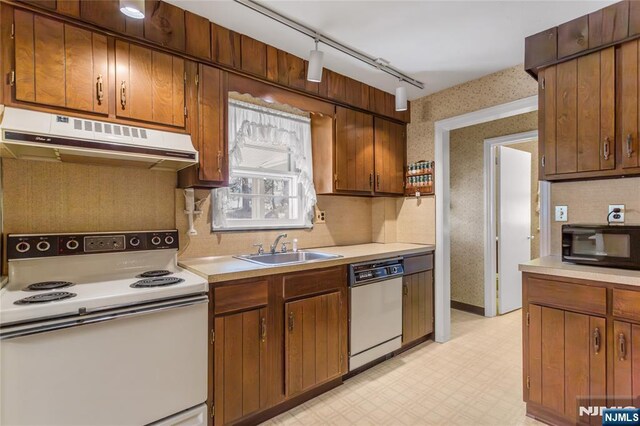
[270, 171]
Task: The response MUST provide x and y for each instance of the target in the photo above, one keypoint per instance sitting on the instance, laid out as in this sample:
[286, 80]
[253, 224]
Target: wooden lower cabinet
[240, 365]
[575, 351]
[417, 306]
[313, 347]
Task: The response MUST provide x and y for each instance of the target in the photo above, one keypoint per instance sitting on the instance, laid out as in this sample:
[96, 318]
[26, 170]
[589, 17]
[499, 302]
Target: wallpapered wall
[467, 202]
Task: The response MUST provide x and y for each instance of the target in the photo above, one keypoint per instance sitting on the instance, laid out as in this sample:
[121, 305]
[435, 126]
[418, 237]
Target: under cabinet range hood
[33, 135]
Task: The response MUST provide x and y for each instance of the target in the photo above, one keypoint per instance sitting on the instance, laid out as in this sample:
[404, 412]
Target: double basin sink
[287, 258]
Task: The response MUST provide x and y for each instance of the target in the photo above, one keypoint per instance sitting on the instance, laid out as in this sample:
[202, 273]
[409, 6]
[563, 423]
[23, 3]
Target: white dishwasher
[375, 322]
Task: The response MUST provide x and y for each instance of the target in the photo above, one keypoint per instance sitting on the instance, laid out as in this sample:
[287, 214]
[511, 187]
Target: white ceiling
[441, 43]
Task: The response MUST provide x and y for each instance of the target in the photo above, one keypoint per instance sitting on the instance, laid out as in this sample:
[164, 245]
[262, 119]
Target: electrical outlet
[562, 213]
[320, 216]
[616, 217]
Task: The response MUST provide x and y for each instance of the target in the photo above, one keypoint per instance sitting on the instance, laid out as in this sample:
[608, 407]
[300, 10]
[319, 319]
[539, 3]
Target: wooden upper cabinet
[59, 64]
[47, 4]
[164, 24]
[313, 342]
[198, 38]
[254, 56]
[104, 13]
[353, 151]
[577, 115]
[225, 46]
[290, 70]
[573, 37]
[566, 359]
[609, 25]
[240, 365]
[634, 18]
[629, 134]
[626, 363]
[150, 85]
[389, 154]
[357, 94]
[212, 138]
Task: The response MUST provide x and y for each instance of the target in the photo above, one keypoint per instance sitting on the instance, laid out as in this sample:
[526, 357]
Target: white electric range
[102, 329]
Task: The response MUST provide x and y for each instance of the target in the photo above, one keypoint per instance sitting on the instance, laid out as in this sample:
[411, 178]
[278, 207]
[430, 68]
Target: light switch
[561, 213]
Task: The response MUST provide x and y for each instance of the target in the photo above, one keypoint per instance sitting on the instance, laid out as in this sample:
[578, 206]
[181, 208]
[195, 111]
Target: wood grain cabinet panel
[225, 46]
[354, 151]
[417, 306]
[240, 365]
[214, 165]
[609, 25]
[103, 13]
[389, 154]
[164, 24]
[634, 18]
[313, 342]
[198, 38]
[254, 56]
[150, 85]
[59, 64]
[573, 37]
[626, 363]
[47, 4]
[629, 74]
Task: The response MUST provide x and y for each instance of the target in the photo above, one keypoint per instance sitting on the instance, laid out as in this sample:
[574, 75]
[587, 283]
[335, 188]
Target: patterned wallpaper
[467, 202]
[494, 89]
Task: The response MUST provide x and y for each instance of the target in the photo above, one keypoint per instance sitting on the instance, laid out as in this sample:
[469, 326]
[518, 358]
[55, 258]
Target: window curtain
[255, 125]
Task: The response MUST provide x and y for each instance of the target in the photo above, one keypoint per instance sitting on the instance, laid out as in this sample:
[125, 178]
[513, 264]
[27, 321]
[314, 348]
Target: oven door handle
[590, 259]
[98, 318]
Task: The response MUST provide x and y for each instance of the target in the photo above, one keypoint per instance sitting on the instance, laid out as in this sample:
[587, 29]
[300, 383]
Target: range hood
[33, 135]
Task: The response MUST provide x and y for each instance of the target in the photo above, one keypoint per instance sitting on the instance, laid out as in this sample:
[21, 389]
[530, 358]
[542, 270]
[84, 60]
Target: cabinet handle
[290, 321]
[405, 289]
[219, 162]
[605, 148]
[622, 347]
[123, 94]
[371, 180]
[378, 181]
[263, 329]
[99, 91]
[629, 145]
[596, 340]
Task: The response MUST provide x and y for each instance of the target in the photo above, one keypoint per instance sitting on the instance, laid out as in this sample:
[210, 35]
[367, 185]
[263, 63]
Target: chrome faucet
[274, 246]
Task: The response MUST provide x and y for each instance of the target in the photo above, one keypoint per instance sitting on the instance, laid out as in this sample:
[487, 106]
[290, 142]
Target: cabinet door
[629, 103]
[577, 115]
[240, 365]
[626, 364]
[390, 145]
[313, 342]
[417, 306]
[150, 85]
[212, 137]
[59, 64]
[566, 359]
[354, 151]
[105, 13]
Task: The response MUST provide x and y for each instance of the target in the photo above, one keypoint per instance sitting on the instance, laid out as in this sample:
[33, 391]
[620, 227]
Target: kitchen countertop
[553, 265]
[227, 268]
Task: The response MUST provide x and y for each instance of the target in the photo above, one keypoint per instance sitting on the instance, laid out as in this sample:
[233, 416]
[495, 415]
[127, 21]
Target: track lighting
[401, 98]
[314, 73]
[132, 8]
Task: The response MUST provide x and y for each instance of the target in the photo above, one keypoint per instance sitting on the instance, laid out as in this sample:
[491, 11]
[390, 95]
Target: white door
[514, 225]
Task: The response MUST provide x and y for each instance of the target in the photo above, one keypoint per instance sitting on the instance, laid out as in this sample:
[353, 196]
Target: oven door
[129, 367]
[617, 247]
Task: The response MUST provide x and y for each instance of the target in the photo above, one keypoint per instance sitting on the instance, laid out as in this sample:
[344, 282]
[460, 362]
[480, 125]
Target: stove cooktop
[157, 282]
[49, 285]
[53, 296]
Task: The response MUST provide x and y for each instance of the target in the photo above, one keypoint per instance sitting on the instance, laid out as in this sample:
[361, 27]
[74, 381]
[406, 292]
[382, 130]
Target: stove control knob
[73, 244]
[134, 242]
[23, 247]
[156, 240]
[169, 240]
[43, 246]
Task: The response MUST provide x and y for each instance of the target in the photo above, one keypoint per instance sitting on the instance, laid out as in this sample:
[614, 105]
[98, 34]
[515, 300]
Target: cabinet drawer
[418, 263]
[314, 282]
[574, 297]
[626, 304]
[240, 297]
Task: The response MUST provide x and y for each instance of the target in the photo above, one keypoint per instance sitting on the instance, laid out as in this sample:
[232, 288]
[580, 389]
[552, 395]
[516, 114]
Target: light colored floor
[474, 379]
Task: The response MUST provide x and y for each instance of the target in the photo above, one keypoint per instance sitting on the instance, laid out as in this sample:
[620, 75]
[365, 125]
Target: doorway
[515, 203]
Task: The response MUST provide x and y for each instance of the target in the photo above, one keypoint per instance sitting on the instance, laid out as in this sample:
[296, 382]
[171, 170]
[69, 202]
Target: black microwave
[602, 245]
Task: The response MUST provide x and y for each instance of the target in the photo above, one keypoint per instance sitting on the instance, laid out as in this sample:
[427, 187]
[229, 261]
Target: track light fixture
[132, 8]
[401, 98]
[314, 73]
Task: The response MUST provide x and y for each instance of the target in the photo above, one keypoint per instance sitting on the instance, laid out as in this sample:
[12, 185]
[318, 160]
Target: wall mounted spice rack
[418, 179]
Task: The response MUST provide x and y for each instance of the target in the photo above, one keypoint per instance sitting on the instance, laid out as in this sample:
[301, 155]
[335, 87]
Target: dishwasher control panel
[362, 273]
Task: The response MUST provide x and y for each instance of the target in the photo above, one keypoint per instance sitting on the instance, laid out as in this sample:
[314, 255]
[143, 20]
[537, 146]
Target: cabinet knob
[99, 89]
[291, 321]
[123, 94]
[263, 329]
[596, 340]
[605, 148]
[622, 347]
[629, 145]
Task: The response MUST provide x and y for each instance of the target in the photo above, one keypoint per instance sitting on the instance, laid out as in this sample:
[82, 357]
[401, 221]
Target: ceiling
[441, 43]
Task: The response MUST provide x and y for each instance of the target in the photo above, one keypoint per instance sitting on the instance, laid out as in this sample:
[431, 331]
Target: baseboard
[478, 310]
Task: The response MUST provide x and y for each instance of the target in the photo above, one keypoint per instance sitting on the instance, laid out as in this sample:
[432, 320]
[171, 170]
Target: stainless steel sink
[287, 258]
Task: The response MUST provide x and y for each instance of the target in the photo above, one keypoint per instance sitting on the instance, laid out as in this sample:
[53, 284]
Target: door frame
[443, 128]
[490, 223]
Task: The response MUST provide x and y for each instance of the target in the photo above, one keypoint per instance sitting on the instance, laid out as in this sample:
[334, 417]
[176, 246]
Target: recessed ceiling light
[132, 8]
